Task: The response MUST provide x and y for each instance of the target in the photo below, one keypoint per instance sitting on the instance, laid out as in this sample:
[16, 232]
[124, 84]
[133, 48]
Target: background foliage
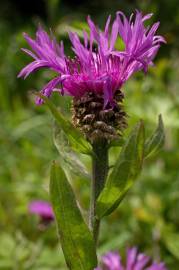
[148, 217]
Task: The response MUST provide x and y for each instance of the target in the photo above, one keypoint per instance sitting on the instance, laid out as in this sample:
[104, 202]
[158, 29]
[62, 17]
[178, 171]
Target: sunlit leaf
[124, 173]
[75, 138]
[171, 240]
[156, 141]
[76, 239]
[68, 156]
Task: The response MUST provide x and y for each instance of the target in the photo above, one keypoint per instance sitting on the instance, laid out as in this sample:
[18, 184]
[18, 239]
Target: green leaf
[76, 239]
[171, 240]
[75, 138]
[124, 173]
[68, 157]
[156, 141]
[117, 143]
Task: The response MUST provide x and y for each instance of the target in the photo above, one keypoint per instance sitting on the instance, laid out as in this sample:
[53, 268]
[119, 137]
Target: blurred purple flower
[42, 209]
[102, 70]
[134, 261]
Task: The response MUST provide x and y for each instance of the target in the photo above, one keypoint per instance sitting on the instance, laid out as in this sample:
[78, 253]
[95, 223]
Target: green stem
[99, 174]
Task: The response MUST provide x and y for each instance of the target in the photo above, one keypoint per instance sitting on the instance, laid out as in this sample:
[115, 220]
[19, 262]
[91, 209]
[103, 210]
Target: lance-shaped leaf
[75, 138]
[76, 239]
[171, 240]
[156, 141]
[68, 157]
[124, 173]
[117, 142]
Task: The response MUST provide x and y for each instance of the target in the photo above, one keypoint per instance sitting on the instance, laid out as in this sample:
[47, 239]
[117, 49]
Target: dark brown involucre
[89, 115]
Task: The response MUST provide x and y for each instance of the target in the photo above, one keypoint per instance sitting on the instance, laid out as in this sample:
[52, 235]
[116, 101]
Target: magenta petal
[48, 89]
[106, 31]
[131, 258]
[114, 33]
[32, 67]
[157, 266]
[30, 53]
[34, 45]
[93, 29]
[97, 65]
[134, 261]
[42, 209]
[141, 262]
[112, 261]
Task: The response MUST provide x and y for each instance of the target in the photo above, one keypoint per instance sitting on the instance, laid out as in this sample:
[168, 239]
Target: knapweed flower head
[97, 72]
[134, 261]
[42, 209]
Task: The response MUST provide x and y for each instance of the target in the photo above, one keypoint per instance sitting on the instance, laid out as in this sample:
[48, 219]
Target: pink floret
[133, 261]
[97, 66]
[42, 209]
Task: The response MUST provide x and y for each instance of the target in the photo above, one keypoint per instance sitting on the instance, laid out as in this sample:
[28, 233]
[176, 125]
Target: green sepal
[155, 142]
[124, 173]
[76, 239]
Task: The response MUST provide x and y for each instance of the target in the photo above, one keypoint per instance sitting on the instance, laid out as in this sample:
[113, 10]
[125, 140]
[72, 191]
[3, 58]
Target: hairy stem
[99, 174]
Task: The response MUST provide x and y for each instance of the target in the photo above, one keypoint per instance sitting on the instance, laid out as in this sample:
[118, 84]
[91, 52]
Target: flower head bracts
[134, 261]
[102, 70]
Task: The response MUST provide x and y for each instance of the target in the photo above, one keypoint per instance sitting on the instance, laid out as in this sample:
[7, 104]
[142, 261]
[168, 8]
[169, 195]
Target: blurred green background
[149, 215]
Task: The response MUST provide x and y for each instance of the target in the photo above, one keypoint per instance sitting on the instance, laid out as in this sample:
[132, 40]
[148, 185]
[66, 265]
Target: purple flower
[134, 261]
[42, 209]
[97, 66]
[111, 261]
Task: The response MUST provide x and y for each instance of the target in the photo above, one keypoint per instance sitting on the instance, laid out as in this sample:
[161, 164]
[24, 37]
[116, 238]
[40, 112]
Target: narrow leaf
[115, 143]
[171, 240]
[156, 141]
[76, 139]
[124, 173]
[68, 157]
[76, 239]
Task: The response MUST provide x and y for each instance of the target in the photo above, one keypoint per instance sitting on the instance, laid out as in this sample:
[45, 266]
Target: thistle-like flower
[134, 261]
[95, 75]
[43, 210]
